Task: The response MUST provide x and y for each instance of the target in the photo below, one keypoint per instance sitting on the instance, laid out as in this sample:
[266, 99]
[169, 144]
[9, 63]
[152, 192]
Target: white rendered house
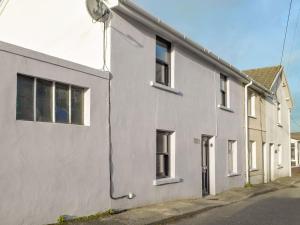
[172, 114]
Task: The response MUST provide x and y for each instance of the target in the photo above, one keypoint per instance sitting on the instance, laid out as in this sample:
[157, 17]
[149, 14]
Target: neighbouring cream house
[295, 152]
[269, 126]
[164, 118]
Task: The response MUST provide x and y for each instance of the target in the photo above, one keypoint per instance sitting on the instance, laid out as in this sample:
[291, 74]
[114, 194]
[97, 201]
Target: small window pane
[61, 103]
[163, 51]
[162, 142]
[25, 96]
[162, 166]
[43, 100]
[223, 83]
[162, 73]
[77, 102]
[223, 98]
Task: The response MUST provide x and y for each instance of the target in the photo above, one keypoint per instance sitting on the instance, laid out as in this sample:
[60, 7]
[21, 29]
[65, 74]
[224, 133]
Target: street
[276, 208]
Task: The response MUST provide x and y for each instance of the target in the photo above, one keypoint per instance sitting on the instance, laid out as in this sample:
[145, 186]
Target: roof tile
[265, 75]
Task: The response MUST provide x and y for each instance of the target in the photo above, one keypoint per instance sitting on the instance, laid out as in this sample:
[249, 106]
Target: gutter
[127, 7]
[247, 132]
[137, 13]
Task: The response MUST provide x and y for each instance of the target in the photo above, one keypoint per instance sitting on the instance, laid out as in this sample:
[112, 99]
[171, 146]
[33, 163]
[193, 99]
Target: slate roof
[295, 135]
[265, 75]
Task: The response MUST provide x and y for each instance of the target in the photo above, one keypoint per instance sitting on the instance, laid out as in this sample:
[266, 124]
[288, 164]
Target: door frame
[206, 188]
[271, 162]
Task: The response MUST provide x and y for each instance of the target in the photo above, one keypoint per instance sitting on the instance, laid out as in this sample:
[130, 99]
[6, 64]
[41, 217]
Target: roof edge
[129, 8]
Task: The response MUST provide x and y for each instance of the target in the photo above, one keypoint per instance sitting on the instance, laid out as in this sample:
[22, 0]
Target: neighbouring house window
[232, 157]
[252, 105]
[163, 142]
[37, 101]
[44, 100]
[279, 113]
[224, 90]
[25, 98]
[279, 155]
[163, 62]
[62, 110]
[252, 155]
[293, 154]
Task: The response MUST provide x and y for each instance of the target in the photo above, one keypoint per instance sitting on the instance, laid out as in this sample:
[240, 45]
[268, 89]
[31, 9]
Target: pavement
[171, 211]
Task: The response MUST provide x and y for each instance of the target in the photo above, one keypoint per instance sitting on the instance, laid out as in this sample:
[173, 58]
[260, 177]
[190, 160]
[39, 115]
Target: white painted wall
[279, 135]
[51, 169]
[138, 109]
[62, 29]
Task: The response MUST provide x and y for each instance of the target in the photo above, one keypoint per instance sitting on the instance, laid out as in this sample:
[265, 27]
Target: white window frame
[172, 167]
[252, 155]
[226, 91]
[86, 101]
[234, 160]
[253, 105]
[293, 148]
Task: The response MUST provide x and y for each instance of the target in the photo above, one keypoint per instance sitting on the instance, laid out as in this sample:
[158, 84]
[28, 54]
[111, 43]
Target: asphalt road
[276, 208]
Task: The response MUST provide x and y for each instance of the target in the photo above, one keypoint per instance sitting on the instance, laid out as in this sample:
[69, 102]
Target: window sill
[279, 125]
[52, 123]
[165, 88]
[233, 175]
[253, 170]
[225, 108]
[169, 180]
[253, 117]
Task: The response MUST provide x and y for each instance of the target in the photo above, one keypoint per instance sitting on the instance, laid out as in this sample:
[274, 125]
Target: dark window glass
[77, 103]
[162, 74]
[25, 96]
[223, 89]
[43, 100]
[162, 154]
[163, 49]
[61, 103]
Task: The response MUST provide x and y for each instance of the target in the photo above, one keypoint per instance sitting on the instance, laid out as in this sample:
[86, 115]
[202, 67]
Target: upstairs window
[48, 101]
[224, 90]
[278, 113]
[163, 62]
[252, 110]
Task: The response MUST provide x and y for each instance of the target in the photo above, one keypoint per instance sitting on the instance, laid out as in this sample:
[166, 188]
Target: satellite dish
[98, 10]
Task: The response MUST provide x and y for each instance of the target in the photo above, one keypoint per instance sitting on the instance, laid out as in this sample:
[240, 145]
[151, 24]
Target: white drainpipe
[246, 132]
